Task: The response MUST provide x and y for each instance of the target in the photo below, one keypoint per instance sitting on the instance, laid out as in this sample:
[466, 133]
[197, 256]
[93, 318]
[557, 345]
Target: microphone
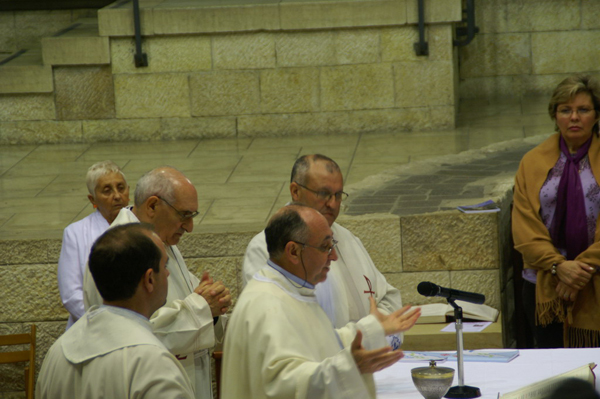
[427, 288]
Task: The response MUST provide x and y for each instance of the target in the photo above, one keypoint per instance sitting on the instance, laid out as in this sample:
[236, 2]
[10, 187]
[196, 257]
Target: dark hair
[119, 259]
[287, 225]
[574, 388]
[302, 166]
[569, 88]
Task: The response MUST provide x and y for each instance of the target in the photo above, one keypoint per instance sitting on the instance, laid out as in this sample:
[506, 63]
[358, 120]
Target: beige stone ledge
[26, 78]
[380, 234]
[75, 50]
[217, 244]
[17, 252]
[40, 132]
[196, 128]
[152, 95]
[16, 107]
[165, 54]
[210, 16]
[574, 55]
[450, 241]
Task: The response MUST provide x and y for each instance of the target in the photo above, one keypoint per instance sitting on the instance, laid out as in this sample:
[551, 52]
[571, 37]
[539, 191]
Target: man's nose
[333, 254]
[188, 225]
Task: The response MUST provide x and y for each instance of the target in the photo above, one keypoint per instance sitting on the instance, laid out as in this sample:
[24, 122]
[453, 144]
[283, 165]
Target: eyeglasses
[321, 249]
[326, 195]
[183, 215]
[567, 112]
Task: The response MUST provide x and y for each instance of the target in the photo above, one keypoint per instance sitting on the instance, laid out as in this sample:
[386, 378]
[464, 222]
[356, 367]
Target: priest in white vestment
[317, 182]
[108, 193]
[111, 351]
[281, 344]
[191, 322]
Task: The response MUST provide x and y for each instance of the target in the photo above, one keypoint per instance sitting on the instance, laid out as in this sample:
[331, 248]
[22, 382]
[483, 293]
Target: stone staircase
[30, 70]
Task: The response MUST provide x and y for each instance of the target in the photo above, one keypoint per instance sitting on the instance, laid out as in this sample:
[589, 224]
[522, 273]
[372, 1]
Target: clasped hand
[573, 275]
[215, 293]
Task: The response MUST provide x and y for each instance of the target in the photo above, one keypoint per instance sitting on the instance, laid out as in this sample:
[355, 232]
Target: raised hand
[369, 362]
[397, 321]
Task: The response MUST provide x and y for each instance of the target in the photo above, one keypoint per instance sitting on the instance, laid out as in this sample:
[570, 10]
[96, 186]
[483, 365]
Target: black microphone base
[463, 391]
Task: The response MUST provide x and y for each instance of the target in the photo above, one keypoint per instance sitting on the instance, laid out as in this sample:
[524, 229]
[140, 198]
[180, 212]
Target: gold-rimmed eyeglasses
[183, 215]
[321, 249]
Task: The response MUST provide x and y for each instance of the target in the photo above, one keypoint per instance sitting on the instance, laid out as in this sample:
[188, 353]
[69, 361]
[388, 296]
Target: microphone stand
[461, 390]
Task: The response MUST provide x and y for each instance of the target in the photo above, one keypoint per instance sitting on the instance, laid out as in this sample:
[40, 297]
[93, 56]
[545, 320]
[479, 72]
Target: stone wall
[527, 47]
[449, 248]
[288, 69]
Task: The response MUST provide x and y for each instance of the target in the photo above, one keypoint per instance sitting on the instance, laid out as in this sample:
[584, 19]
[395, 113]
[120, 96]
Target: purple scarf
[569, 225]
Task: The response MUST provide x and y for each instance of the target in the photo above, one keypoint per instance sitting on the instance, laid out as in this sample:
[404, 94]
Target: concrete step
[24, 72]
[79, 44]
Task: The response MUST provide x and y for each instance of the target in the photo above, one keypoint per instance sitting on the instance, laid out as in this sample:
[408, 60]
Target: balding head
[167, 199]
[298, 239]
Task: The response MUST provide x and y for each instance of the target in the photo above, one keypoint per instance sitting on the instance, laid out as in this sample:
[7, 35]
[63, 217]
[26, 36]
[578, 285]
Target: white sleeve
[70, 278]
[184, 326]
[255, 258]
[373, 336]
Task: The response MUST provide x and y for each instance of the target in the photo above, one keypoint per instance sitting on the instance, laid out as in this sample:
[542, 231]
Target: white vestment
[184, 324]
[111, 353]
[344, 296]
[77, 242]
[281, 344]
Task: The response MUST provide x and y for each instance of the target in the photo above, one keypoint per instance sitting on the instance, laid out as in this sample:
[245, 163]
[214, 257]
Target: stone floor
[242, 181]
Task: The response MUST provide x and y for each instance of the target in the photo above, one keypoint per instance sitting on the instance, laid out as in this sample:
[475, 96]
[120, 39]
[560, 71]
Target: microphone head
[427, 288]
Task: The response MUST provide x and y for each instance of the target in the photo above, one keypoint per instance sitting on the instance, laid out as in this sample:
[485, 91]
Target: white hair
[158, 182]
[99, 169]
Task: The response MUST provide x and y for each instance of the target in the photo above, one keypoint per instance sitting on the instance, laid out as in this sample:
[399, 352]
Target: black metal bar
[421, 47]
[470, 29]
[140, 58]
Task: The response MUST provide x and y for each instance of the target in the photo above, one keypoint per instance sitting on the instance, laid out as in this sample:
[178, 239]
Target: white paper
[471, 326]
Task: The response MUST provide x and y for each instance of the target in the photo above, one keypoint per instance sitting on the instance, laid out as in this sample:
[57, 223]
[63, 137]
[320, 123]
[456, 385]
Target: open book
[444, 313]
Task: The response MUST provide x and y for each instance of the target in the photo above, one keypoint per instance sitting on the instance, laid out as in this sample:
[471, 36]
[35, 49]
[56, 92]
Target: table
[530, 366]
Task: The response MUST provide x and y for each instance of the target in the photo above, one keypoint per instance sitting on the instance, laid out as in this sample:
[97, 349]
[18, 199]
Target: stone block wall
[527, 47]
[292, 69]
[450, 249]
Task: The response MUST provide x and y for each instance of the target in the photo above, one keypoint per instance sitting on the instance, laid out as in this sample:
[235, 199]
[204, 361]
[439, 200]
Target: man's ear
[292, 252]
[150, 206]
[295, 191]
[148, 280]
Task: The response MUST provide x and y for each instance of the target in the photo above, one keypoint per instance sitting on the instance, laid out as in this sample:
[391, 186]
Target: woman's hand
[574, 273]
[565, 292]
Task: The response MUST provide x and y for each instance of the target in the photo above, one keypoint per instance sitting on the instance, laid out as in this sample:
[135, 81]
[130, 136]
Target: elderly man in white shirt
[317, 182]
[281, 344]
[108, 193]
[191, 321]
[111, 351]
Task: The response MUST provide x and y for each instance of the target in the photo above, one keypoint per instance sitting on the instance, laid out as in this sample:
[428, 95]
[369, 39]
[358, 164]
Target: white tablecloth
[530, 366]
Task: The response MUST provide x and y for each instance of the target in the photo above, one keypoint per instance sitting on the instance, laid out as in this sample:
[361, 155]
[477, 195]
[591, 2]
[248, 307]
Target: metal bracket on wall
[421, 47]
[140, 58]
[470, 30]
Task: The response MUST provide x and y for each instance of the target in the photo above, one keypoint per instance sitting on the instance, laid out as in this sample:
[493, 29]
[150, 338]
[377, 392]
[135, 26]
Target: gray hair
[99, 169]
[157, 182]
[303, 164]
